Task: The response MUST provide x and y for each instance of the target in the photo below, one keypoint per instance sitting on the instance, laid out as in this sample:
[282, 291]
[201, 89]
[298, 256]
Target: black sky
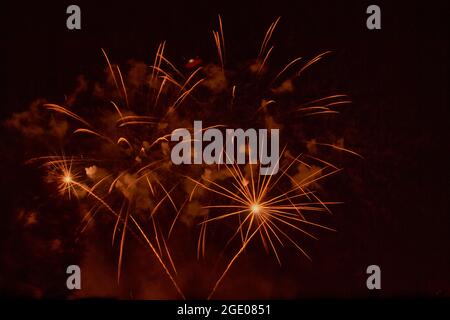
[398, 78]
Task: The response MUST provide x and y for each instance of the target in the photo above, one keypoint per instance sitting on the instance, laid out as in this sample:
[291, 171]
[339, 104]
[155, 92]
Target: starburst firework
[127, 155]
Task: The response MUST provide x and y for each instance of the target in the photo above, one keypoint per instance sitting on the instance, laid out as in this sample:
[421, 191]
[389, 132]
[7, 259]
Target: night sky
[396, 211]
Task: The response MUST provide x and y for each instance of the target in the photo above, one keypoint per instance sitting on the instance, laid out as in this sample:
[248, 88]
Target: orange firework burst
[124, 168]
[262, 209]
[60, 171]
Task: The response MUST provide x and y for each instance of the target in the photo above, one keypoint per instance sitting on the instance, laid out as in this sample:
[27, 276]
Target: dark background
[397, 213]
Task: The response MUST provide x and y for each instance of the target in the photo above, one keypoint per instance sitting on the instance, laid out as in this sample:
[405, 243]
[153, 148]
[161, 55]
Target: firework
[263, 210]
[123, 166]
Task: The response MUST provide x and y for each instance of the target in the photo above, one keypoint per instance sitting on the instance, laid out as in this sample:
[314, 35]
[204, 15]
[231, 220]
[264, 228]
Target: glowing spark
[256, 209]
[67, 179]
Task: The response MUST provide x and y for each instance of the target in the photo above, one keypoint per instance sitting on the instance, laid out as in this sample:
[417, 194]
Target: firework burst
[122, 165]
[261, 208]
